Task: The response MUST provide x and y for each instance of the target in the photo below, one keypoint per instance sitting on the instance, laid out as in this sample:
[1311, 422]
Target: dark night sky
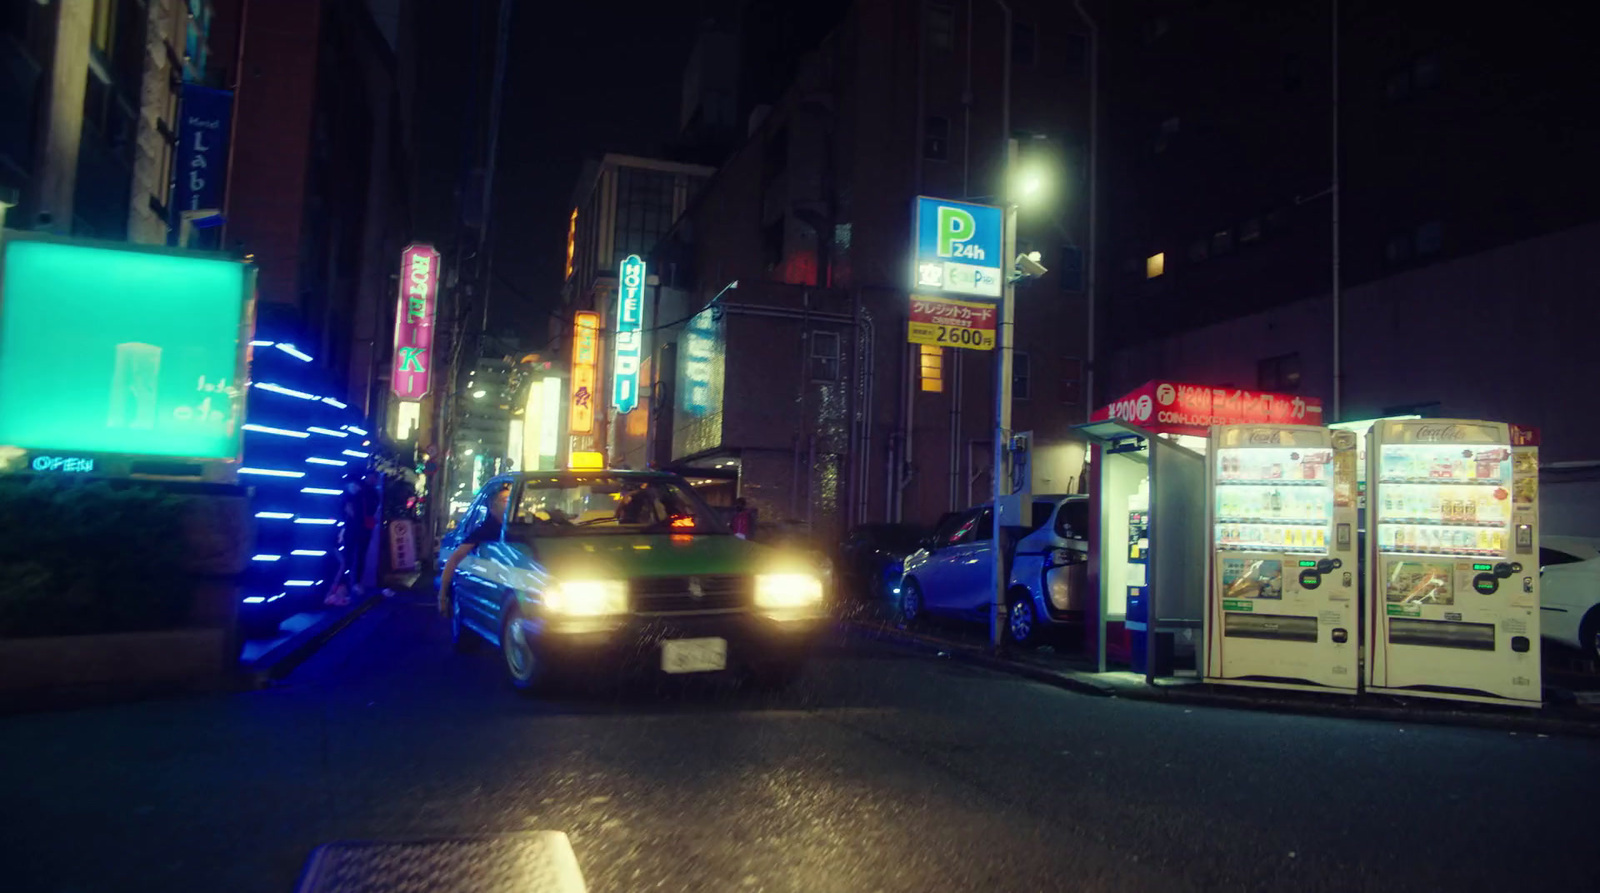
[584, 78]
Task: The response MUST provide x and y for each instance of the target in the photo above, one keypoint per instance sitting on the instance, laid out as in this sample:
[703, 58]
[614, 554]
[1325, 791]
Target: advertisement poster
[1419, 583]
[120, 352]
[1252, 578]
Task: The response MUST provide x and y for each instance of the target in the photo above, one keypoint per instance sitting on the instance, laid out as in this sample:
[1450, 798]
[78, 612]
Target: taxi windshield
[606, 504]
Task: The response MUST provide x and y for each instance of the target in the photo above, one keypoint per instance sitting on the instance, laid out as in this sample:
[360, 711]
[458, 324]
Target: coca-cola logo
[1264, 437]
[1438, 433]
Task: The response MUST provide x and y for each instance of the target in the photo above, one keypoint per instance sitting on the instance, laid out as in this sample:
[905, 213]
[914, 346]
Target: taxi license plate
[694, 655]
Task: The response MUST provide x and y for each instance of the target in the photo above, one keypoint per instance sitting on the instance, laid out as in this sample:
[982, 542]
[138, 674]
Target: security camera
[1028, 265]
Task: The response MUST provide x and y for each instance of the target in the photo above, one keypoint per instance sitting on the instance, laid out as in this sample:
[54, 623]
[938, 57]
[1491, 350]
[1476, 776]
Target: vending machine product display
[1282, 610]
[1453, 561]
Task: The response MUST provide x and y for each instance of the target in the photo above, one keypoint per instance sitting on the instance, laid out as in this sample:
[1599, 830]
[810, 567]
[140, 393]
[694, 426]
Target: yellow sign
[586, 461]
[941, 335]
[585, 354]
[945, 322]
[572, 240]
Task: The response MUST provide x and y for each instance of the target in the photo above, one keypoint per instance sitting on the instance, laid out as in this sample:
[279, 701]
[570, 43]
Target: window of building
[103, 26]
[1071, 381]
[1075, 55]
[1425, 72]
[1280, 373]
[930, 366]
[1024, 45]
[936, 138]
[1069, 270]
[1222, 242]
[1398, 248]
[1293, 73]
[1397, 85]
[1430, 238]
[1021, 376]
[824, 355]
[644, 209]
[1199, 250]
[772, 244]
[940, 28]
[1155, 265]
[775, 156]
[1164, 136]
[1250, 231]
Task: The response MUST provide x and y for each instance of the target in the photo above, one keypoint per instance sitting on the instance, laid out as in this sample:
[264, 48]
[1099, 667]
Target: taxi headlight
[788, 590]
[587, 598]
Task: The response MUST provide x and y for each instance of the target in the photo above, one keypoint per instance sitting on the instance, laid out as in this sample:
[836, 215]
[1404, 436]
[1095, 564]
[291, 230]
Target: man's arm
[456, 557]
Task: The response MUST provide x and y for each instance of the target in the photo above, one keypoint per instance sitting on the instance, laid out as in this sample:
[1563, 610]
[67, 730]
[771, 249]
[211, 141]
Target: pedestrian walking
[360, 515]
[744, 520]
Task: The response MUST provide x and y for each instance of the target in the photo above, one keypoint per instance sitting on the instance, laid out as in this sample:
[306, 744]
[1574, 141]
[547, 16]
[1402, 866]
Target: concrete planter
[201, 656]
[115, 665]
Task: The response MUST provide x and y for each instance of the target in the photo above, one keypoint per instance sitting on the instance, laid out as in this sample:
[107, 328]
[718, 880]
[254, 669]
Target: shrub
[82, 557]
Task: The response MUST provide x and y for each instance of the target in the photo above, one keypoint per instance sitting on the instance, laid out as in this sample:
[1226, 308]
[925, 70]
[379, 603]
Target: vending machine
[1453, 562]
[1283, 610]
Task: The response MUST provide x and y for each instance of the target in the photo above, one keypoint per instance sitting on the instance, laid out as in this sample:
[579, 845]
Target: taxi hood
[625, 556]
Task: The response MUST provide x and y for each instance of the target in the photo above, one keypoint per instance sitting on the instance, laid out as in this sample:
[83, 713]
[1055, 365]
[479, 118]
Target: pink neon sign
[413, 324]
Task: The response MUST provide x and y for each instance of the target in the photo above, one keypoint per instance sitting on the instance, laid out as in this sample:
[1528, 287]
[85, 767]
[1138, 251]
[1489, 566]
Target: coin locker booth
[1147, 516]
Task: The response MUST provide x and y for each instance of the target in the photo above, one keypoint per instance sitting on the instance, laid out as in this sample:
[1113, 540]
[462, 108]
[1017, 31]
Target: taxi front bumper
[755, 638]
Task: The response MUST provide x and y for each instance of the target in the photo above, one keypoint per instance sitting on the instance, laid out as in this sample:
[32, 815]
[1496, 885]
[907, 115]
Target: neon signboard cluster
[413, 324]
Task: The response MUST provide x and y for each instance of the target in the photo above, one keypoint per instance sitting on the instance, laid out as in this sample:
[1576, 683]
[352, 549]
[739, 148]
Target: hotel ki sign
[630, 324]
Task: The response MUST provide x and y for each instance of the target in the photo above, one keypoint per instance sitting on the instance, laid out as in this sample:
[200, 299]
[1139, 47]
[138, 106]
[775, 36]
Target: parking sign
[957, 248]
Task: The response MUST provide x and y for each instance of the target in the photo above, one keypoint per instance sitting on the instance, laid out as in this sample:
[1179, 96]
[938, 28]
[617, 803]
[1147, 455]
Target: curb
[282, 660]
[966, 653]
[1200, 695]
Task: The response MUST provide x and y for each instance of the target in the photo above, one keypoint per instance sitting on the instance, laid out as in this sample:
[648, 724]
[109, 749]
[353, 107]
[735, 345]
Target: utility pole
[1002, 389]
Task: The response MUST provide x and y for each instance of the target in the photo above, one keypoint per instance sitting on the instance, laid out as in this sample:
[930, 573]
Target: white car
[1569, 592]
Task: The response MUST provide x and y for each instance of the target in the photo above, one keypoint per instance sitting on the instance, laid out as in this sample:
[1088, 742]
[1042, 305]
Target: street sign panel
[957, 248]
[946, 323]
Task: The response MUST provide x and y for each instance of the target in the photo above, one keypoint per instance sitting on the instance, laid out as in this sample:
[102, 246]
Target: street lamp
[1021, 185]
[479, 394]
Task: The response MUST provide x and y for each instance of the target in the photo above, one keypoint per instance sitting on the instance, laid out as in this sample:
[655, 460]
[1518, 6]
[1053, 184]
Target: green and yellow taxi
[574, 571]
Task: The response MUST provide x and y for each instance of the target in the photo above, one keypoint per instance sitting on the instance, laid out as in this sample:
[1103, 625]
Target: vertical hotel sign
[630, 321]
[201, 161]
[413, 322]
[585, 353]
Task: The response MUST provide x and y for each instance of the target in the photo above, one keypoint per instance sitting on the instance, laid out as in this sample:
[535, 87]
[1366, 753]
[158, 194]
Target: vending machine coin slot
[1341, 636]
[1524, 539]
[1520, 644]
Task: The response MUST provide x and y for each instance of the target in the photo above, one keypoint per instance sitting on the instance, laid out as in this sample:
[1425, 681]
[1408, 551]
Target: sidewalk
[1565, 712]
[265, 662]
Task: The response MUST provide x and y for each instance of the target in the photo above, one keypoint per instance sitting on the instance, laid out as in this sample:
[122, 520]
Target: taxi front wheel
[525, 669]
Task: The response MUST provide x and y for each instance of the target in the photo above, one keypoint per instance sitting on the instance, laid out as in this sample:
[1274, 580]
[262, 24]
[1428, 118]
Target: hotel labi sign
[413, 324]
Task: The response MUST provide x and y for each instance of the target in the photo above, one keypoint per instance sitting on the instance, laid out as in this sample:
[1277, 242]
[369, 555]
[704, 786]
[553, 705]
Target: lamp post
[1002, 390]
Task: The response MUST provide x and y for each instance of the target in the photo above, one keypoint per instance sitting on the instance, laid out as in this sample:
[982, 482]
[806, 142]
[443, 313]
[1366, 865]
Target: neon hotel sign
[413, 324]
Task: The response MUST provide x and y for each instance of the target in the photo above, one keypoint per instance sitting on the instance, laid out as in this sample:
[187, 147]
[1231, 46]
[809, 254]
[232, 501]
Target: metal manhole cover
[533, 862]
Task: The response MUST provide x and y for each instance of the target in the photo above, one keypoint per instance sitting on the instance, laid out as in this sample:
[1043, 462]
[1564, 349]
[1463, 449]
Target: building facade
[621, 208]
[778, 317]
[1466, 206]
[90, 111]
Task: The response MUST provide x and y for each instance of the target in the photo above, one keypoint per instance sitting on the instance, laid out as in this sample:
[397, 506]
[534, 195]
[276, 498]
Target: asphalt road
[883, 771]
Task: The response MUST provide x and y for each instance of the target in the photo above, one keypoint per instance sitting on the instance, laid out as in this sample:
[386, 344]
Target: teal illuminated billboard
[120, 350]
